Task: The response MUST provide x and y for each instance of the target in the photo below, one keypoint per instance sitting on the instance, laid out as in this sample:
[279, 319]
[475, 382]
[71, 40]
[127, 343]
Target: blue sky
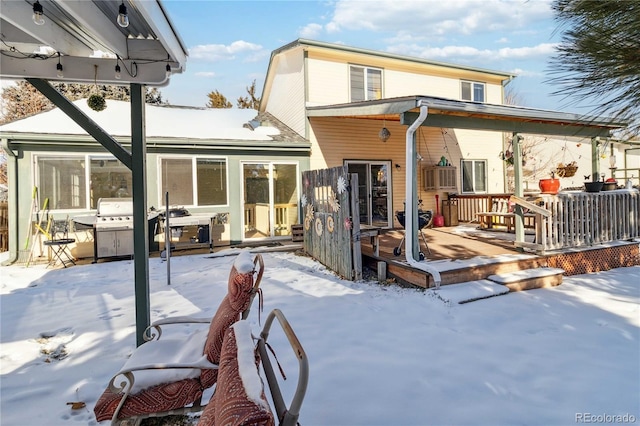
[230, 42]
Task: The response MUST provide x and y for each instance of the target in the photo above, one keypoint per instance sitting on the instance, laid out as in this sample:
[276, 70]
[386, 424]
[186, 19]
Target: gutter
[12, 192]
[411, 203]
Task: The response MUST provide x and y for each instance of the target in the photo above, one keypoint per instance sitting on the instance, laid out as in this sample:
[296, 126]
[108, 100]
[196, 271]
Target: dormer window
[365, 83]
[472, 91]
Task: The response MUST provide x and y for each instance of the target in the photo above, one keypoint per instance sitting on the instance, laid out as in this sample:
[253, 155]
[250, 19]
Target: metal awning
[83, 36]
[451, 113]
[82, 41]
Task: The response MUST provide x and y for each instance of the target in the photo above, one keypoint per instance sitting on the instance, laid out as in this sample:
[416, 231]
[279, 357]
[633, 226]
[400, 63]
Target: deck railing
[581, 219]
[569, 219]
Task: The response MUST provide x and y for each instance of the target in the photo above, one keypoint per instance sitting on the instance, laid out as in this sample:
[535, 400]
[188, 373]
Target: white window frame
[473, 182]
[194, 177]
[366, 70]
[86, 159]
[472, 86]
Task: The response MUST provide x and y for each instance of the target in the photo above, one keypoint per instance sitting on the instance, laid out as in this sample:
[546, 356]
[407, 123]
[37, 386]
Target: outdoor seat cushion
[239, 292]
[159, 398]
[239, 398]
[170, 396]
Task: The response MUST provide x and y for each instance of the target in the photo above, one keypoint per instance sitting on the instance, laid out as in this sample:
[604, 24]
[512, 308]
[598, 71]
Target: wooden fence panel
[328, 220]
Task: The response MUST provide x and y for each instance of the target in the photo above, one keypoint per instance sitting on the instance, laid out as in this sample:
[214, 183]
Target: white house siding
[482, 145]
[286, 99]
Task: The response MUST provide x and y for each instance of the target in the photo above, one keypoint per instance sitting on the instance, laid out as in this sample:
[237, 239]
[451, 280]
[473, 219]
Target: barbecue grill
[425, 218]
[114, 228]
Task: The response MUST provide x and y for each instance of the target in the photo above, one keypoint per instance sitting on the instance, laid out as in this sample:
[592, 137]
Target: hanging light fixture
[38, 14]
[168, 68]
[123, 17]
[59, 69]
[384, 133]
[118, 76]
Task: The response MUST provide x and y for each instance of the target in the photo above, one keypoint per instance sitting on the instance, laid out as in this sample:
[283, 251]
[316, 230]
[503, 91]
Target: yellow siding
[328, 78]
[351, 139]
[328, 82]
[398, 83]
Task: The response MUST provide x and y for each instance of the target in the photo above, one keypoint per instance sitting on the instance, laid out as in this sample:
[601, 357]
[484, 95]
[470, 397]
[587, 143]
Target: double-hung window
[365, 83]
[197, 181]
[472, 91]
[474, 176]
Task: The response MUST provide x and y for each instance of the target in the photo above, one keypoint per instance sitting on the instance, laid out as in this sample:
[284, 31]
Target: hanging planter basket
[96, 102]
[566, 170]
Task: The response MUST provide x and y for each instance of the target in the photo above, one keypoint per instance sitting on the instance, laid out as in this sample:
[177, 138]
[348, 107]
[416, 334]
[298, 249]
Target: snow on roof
[161, 121]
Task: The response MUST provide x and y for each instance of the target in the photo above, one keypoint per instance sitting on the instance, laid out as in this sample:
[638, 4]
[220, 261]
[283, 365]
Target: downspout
[12, 194]
[411, 203]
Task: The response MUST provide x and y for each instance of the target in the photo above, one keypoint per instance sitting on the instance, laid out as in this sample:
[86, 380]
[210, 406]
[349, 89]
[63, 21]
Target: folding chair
[58, 244]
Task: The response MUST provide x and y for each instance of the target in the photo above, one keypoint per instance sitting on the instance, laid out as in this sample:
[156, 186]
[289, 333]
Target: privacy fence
[331, 229]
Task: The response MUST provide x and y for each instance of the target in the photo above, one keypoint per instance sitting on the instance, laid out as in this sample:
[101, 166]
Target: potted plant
[550, 186]
[593, 186]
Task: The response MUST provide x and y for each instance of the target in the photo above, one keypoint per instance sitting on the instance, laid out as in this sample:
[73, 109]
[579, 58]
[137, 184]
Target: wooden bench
[500, 215]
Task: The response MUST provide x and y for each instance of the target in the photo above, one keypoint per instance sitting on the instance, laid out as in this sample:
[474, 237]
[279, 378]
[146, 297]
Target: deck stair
[528, 279]
[470, 291]
[499, 284]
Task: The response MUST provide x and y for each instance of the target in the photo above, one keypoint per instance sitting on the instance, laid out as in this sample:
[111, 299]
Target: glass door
[270, 199]
[374, 191]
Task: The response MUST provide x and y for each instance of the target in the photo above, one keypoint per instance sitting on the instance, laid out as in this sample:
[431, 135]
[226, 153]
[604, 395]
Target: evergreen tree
[22, 100]
[598, 58]
[249, 102]
[217, 100]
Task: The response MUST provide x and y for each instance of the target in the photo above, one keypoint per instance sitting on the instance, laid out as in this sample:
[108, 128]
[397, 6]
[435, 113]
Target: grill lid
[115, 207]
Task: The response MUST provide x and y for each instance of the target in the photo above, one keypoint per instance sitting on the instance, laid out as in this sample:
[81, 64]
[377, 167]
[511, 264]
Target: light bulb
[59, 72]
[123, 18]
[118, 72]
[38, 14]
[168, 68]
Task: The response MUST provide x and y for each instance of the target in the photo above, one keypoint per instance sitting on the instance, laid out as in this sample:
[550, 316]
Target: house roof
[451, 113]
[162, 122]
[349, 49]
[85, 39]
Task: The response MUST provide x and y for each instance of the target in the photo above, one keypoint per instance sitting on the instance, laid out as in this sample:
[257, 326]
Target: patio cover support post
[595, 159]
[518, 190]
[140, 227]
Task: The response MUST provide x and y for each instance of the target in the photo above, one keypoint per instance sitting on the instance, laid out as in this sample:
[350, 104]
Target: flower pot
[549, 186]
[593, 186]
[609, 186]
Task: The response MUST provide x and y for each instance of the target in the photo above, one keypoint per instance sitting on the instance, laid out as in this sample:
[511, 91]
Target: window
[78, 182]
[471, 91]
[474, 175]
[62, 181]
[366, 83]
[194, 181]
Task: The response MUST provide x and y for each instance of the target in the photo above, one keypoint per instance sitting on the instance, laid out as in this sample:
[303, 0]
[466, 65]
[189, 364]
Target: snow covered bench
[239, 397]
[502, 215]
[169, 375]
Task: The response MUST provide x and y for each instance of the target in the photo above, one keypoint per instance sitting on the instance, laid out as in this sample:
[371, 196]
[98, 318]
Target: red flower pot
[549, 186]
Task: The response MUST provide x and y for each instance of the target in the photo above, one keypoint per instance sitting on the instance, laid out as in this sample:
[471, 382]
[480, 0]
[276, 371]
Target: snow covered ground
[379, 355]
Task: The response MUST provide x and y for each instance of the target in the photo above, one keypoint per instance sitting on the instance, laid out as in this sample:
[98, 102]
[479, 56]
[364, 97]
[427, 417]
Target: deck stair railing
[582, 219]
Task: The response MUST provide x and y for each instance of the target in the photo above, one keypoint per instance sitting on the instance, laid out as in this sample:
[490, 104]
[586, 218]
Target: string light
[38, 14]
[123, 17]
[59, 69]
[168, 68]
[118, 72]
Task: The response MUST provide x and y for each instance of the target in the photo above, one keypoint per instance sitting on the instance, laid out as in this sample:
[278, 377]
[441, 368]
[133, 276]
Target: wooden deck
[465, 253]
